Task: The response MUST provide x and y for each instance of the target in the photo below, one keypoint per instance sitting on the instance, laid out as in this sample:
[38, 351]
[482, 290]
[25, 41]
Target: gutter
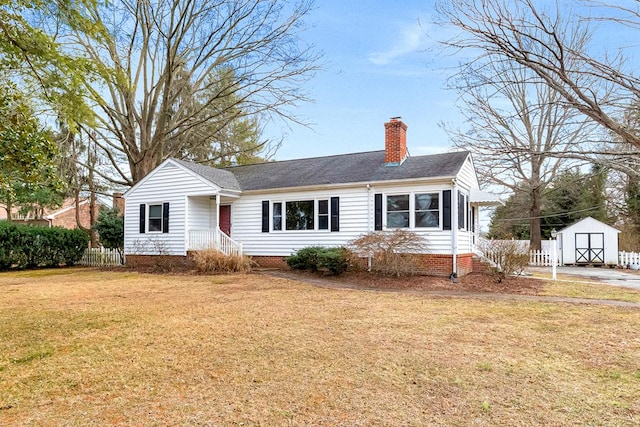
[321, 186]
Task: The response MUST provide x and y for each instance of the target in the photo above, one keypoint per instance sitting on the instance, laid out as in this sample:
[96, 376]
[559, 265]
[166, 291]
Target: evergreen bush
[23, 246]
[314, 258]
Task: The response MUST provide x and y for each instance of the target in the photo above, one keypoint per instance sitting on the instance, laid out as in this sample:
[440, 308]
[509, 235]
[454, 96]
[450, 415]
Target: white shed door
[589, 248]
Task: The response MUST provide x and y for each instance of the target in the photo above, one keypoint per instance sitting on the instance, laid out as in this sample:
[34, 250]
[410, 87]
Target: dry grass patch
[214, 261]
[121, 348]
[579, 289]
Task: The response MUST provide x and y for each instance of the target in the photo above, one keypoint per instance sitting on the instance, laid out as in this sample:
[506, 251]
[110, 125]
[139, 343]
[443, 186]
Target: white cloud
[411, 38]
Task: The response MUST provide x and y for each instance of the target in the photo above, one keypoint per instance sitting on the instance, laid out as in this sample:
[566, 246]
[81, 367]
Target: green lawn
[86, 347]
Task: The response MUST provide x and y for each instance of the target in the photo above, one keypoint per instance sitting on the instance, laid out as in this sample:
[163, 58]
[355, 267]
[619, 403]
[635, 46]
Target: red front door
[225, 219]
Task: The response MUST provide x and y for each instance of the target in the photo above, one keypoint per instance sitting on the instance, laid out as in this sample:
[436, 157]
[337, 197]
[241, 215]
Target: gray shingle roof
[339, 169]
[221, 177]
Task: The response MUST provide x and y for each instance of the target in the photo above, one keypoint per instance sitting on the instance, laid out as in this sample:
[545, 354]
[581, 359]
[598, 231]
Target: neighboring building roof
[48, 213]
[345, 168]
[220, 177]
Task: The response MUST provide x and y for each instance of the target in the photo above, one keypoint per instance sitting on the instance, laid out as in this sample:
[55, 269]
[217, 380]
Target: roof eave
[439, 179]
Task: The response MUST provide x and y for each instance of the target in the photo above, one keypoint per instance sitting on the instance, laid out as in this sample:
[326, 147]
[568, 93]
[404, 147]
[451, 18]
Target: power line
[552, 215]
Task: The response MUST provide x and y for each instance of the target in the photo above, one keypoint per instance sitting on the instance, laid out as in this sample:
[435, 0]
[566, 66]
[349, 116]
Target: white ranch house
[270, 210]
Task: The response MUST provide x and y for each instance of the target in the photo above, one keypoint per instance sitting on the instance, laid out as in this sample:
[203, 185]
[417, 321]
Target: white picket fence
[628, 258]
[102, 257]
[543, 258]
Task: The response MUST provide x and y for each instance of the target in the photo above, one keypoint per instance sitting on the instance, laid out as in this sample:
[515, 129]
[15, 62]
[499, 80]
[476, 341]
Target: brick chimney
[118, 202]
[395, 142]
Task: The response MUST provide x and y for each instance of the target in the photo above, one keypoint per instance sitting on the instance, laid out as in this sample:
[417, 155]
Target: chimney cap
[396, 118]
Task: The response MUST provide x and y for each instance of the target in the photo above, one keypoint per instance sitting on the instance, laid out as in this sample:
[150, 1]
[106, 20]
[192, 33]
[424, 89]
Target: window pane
[323, 222]
[427, 219]
[427, 201]
[155, 211]
[277, 216]
[155, 224]
[323, 207]
[277, 223]
[300, 215]
[427, 212]
[398, 203]
[397, 219]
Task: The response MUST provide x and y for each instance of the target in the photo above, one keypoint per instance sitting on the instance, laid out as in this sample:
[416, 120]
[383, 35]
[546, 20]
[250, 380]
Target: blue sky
[380, 62]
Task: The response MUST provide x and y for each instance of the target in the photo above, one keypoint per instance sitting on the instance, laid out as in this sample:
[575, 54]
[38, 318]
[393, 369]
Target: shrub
[305, 258]
[110, 228]
[23, 246]
[315, 258]
[214, 261]
[10, 244]
[334, 259]
[75, 245]
[509, 256]
[393, 253]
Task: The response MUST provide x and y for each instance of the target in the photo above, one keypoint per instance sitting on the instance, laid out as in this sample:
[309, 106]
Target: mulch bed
[474, 282]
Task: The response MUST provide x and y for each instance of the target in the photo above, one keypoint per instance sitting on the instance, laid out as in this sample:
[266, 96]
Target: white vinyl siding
[356, 219]
[167, 184]
[200, 212]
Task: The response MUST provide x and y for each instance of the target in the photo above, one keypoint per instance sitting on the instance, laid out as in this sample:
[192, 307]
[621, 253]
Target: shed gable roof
[591, 221]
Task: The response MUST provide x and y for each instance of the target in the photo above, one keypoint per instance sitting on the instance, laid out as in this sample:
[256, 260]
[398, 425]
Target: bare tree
[549, 41]
[156, 57]
[517, 131]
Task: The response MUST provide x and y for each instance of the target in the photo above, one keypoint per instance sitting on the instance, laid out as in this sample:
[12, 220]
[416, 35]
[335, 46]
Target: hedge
[23, 246]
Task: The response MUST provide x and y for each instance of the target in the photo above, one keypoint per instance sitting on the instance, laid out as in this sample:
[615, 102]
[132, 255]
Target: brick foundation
[442, 265]
[480, 266]
[270, 261]
[430, 264]
[161, 262]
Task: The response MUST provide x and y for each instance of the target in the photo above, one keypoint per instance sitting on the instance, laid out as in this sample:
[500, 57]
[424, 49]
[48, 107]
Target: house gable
[200, 182]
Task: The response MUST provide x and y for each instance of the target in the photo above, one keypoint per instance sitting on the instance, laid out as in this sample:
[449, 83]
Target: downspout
[370, 219]
[454, 228]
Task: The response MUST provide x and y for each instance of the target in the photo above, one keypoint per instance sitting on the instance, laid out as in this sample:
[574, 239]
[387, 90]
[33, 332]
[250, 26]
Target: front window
[155, 217]
[427, 210]
[300, 215]
[277, 216]
[323, 214]
[398, 211]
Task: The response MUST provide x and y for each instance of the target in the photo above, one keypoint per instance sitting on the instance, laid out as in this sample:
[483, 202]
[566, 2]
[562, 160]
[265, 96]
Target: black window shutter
[378, 211]
[460, 210]
[335, 214]
[265, 216]
[471, 220]
[143, 216]
[446, 210]
[165, 217]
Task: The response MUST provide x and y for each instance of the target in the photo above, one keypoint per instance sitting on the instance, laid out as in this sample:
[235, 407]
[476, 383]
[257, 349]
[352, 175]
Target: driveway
[610, 276]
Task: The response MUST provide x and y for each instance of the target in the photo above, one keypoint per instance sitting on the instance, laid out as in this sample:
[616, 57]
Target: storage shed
[588, 241]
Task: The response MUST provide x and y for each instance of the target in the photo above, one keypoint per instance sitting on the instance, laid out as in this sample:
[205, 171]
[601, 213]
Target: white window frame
[465, 210]
[316, 214]
[412, 210]
[415, 210]
[148, 217]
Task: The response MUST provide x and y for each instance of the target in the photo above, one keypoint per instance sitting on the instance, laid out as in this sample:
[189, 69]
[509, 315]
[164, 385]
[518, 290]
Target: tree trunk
[535, 242]
[9, 208]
